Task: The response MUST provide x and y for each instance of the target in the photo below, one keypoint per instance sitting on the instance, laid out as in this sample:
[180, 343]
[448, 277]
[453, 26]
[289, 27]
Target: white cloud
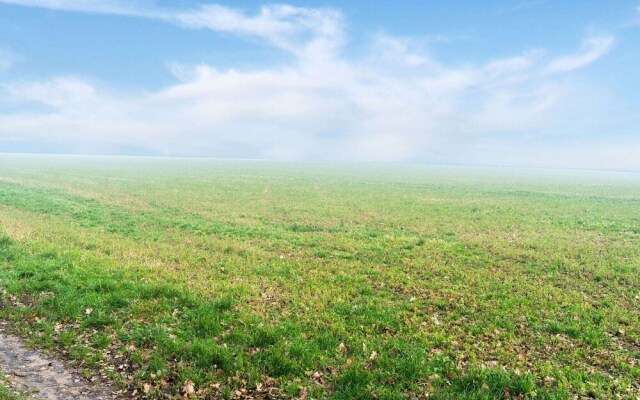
[395, 103]
[368, 110]
[302, 31]
[398, 50]
[592, 49]
[295, 29]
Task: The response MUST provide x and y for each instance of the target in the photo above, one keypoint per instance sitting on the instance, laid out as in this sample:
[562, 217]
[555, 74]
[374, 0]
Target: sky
[531, 83]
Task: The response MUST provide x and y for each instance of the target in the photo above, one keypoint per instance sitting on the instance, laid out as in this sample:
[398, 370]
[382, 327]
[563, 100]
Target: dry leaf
[317, 378]
[491, 363]
[189, 388]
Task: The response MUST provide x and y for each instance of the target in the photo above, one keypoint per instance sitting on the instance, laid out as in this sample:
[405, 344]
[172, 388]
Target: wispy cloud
[592, 49]
[295, 29]
[379, 108]
[397, 102]
[302, 31]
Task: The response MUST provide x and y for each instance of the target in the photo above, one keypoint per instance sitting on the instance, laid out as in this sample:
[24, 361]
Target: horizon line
[327, 161]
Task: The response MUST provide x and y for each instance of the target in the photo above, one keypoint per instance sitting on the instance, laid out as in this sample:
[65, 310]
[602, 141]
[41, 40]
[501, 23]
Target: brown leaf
[254, 351]
[491, 363]
[317, 378]
[189, 388]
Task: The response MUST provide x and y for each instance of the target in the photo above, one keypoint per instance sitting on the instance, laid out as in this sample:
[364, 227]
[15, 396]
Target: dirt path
[44, 377]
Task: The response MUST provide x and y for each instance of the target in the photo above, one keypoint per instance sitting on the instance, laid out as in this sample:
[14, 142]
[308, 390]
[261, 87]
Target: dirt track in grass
[44, 377]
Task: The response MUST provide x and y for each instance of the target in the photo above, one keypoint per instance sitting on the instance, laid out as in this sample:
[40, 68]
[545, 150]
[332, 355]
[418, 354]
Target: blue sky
[523, 82]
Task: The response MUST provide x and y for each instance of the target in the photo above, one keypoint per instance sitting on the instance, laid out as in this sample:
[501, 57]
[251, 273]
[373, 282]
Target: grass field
[242, 279]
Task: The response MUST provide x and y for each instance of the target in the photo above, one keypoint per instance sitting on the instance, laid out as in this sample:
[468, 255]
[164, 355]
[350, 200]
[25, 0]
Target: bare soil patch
[44, 377]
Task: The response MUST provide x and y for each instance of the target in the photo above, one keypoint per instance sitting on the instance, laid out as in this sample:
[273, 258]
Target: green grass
[7, 393]
[339, 281]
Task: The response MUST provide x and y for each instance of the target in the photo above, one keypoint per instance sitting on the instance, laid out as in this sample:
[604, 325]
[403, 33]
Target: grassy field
[242, 279]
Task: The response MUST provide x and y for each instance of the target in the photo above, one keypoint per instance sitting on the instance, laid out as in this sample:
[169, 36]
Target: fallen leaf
[492, 363]
[189, 388]
[317, 378]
